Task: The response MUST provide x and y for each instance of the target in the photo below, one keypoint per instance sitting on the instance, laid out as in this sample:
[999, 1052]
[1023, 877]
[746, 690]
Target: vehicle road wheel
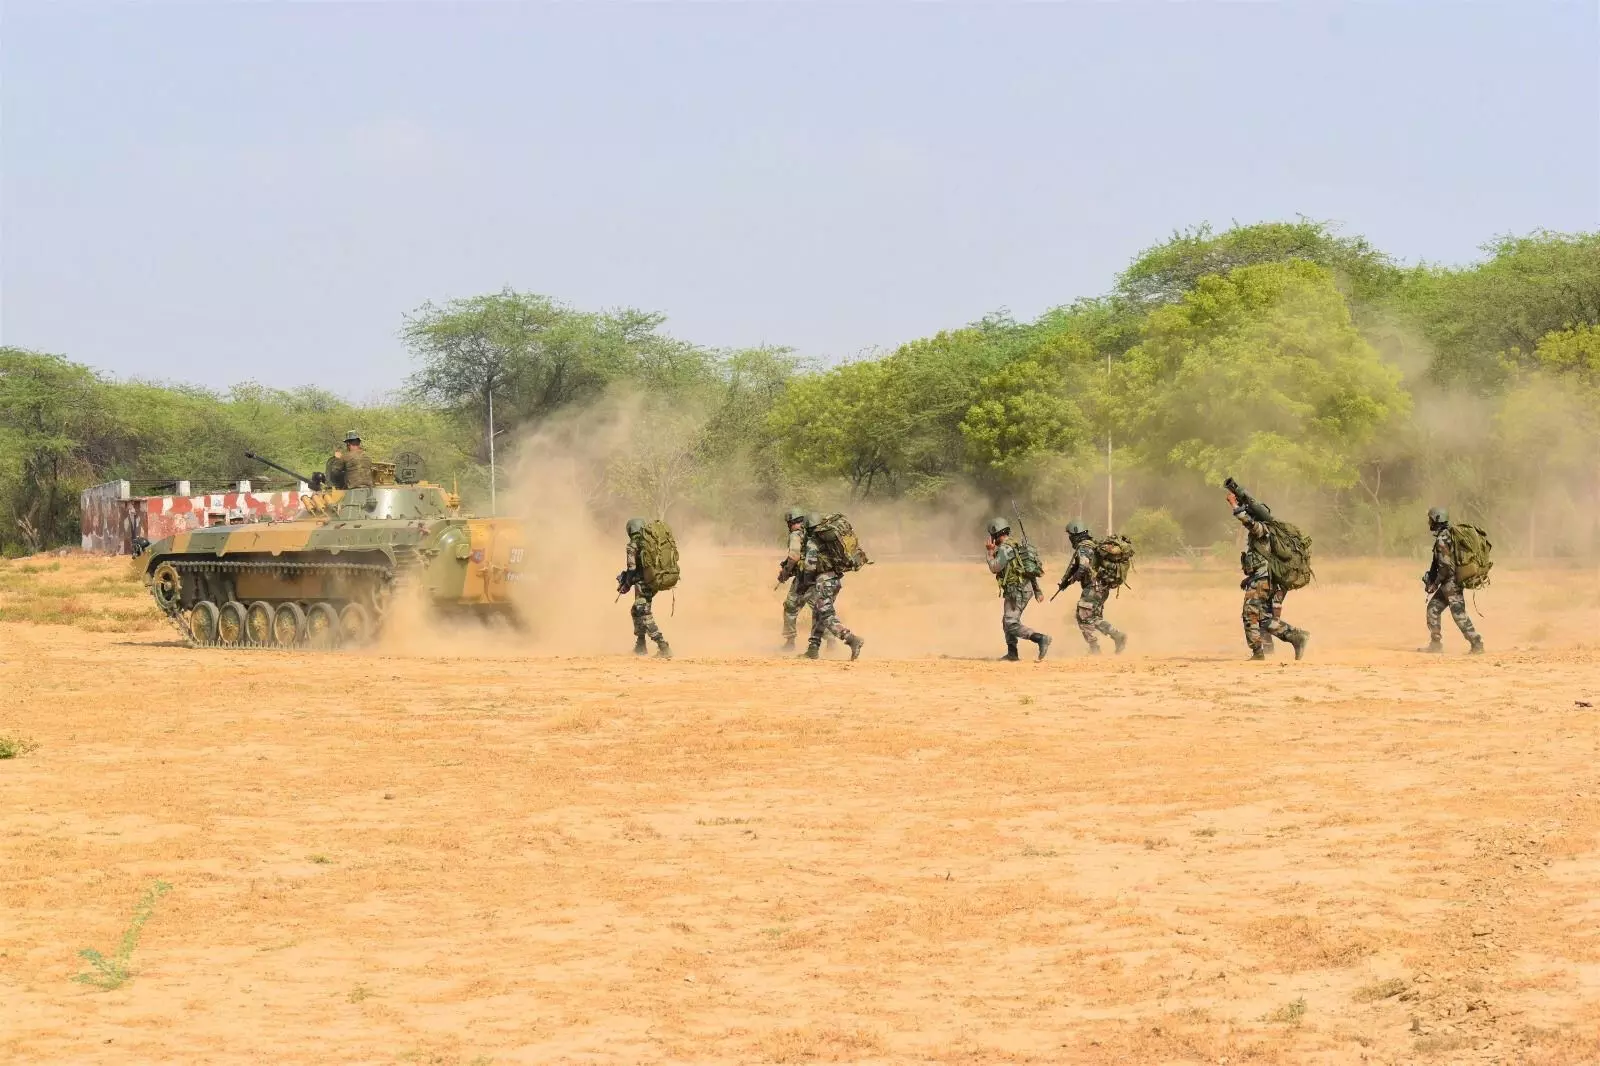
[258, 624]
[203, 622]
[355, 625]
[288, 625]
[322, 626]
[166, 584]
[230, 624]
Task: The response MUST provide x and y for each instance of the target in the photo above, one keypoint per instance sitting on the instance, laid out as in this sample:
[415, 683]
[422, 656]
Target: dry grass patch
[76, 592]
[1297, 942]
[1381, 990]
[818, 1044]
[583, 720]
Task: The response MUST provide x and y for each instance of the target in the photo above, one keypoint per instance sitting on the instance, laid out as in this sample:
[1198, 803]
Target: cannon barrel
[277, 466]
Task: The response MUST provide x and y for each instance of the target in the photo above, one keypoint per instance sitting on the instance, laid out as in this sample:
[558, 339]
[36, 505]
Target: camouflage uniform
[1263, 601]
[644, 619]
[1016, 592]
[799, 585]
[350, 469]
[826, 584]
[1091, 600]
[1445, 591]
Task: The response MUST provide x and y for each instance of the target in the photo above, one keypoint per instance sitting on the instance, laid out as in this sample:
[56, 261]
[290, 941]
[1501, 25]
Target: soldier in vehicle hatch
[350, 467]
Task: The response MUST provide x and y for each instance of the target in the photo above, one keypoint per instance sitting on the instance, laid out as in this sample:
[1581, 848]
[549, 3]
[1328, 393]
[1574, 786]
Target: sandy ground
[473, 847]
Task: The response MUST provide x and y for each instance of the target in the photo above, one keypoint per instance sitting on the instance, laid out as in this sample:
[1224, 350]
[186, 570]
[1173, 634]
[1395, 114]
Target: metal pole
[1110, 479]
[494, 503]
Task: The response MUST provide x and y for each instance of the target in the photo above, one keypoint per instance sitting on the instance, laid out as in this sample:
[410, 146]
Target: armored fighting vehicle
[328, 577]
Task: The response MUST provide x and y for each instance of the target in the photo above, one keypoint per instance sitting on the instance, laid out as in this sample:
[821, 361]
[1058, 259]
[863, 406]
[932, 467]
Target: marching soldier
[1017, 588]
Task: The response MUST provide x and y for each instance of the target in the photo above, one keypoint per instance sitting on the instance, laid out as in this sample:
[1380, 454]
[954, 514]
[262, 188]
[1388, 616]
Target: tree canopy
[1291, 354]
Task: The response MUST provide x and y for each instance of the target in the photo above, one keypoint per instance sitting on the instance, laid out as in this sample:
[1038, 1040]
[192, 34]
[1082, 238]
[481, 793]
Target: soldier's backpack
[1024, 567]
[1289, 561]
[1471, 548]
[658, 556]
[841, 549]
[1113, 558]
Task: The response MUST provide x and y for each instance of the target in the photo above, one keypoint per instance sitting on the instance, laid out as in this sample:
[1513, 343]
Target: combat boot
[813, 650]
[1044, 643]
[788, 644]
[1257, 655]
[1093, 649]
[854, 643]
[1299, 638]
[663, 650]
[1120, 640]
[1011, 652]
[1435, 647]
[639, 646]
[1477, 646]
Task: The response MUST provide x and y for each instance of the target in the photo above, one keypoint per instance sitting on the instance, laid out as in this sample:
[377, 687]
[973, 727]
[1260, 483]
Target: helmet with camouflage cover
[1438, 518]
[793, 515]
[813, 520]
[1076, 531]
[635, 526]
[352, 437]
[998, 526]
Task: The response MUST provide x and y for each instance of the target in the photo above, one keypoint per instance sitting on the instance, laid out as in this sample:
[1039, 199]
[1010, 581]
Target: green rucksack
[1113, 558]
[1289, 559]
[1024, 567]
[658, 556]
[841, 549]
[1471, 548]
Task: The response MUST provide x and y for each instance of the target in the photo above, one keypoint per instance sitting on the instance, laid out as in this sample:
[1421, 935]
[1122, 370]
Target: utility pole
[1110, 479]
[494, 504]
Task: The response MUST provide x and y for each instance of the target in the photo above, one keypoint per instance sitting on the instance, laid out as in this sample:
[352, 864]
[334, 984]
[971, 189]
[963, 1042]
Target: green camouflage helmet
[1077, 531]
[998, 526]
[635, 526]
[793, 515]
[813, 521]
[352, 437]
[1438, 518]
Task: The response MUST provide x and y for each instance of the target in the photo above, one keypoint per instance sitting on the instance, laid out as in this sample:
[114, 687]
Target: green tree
[48, 430]
[1259, 373]
[1487, 319]
[1163, 274]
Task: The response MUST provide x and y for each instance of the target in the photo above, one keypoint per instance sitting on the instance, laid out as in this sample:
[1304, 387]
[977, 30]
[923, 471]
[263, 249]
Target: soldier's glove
[1247, 582]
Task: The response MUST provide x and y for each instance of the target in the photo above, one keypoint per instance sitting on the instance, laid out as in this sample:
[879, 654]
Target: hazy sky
[218, 192]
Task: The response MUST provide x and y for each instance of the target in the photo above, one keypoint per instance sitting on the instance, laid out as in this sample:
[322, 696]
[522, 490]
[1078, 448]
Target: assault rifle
[625, 581]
